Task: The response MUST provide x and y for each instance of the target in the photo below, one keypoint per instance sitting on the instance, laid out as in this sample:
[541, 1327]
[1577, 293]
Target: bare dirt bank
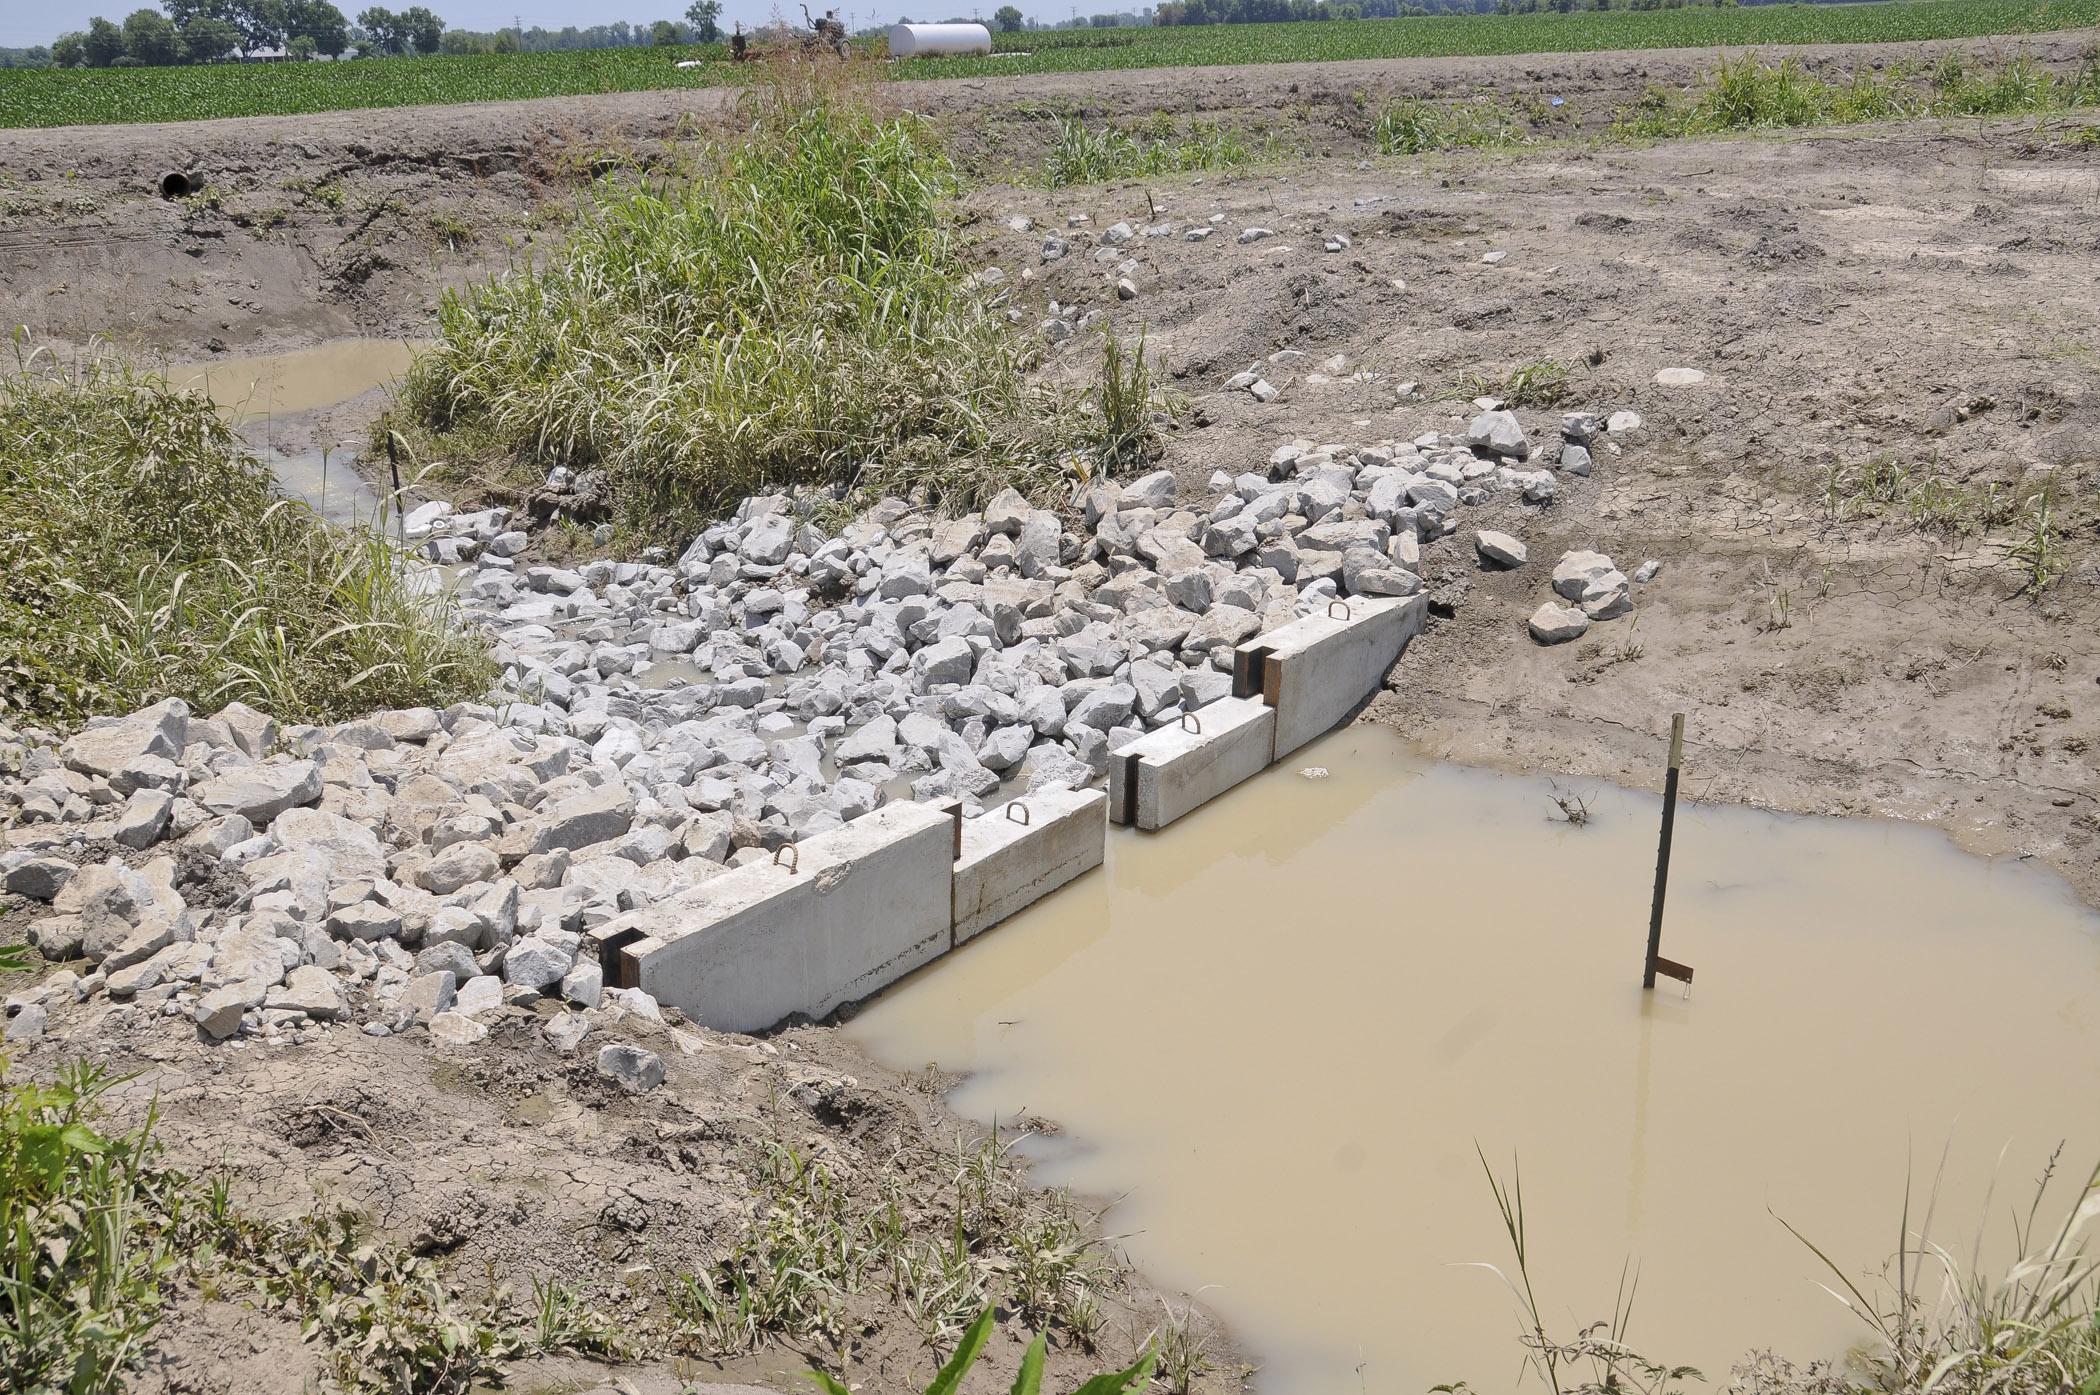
[318, 227]
[1910, 299]
[1886, 318]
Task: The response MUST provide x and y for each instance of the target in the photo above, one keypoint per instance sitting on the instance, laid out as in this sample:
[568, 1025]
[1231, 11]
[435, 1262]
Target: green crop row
[116, 96]
[44, 97]
[1445, 36]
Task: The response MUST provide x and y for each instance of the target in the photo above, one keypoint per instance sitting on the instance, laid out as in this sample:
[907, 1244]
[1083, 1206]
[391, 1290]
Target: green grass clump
[1084, 155]
[1412, 127]
[1027, 1381]
[811, 1246]
[98, 1234]
[86, 1240]
[1540, 383]
[1748, 93]
[800, 313]
[1944, 1322]
[145, 554]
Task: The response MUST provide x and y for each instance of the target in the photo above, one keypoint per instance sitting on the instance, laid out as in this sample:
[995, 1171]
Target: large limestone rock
[1500, 549]
[1553, 623]
[1499, 434]
[259, 793]
[105, 750]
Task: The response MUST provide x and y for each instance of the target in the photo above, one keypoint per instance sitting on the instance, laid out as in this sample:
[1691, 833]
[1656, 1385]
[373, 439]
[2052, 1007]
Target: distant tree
[150, 38]
[207, 40]
[705, 16]
[1008, 18]
[301, 47]
[380, 29]
[421, 30]
[663, 33]
[104, 43]
[320, 21]
[507, 41]
[69, 50]
[260, 22]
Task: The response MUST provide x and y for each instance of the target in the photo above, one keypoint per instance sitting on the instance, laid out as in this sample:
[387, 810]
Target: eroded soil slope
[1900, 336]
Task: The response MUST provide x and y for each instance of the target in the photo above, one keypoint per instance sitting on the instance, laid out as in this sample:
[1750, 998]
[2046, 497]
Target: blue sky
[26, 22]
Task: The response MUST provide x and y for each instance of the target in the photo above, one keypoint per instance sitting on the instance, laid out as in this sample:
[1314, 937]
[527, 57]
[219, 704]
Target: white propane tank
[933, 40]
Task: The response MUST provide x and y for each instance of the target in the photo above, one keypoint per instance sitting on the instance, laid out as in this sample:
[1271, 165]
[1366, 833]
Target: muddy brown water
[1277, 1031]
[302, 380]
[258, 391]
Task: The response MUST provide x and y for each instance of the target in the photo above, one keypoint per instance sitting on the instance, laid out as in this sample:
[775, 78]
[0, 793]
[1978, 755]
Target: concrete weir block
[1317, 670]
[1161, 776]
[1020, 852]
[826, 922]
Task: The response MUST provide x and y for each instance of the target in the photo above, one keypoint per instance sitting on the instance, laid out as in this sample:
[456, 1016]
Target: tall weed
[85, 1252]
[798, 313]
[1948, 1323]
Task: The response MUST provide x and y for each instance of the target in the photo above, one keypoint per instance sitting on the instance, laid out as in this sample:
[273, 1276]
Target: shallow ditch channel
[1277, 1030]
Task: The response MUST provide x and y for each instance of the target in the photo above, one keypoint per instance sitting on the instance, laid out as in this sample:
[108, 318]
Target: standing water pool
[255, 392]
[1278, 1029]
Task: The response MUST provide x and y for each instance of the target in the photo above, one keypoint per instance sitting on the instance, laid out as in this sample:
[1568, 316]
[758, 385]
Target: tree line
[214, 31]
[702, 26]
[1282, 11]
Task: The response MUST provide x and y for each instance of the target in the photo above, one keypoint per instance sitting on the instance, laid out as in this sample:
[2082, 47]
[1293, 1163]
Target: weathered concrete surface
[1316, 671]
[862, 906]
[1008, 865]
[1181, 767]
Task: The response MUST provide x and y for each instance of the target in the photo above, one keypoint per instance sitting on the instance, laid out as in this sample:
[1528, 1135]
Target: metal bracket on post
[1656, 964]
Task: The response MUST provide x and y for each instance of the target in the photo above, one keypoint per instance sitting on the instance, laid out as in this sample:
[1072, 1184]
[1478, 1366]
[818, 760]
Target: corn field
[47, 97]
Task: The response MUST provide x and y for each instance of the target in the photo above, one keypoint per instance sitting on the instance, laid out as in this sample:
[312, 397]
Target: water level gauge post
[1656, 964]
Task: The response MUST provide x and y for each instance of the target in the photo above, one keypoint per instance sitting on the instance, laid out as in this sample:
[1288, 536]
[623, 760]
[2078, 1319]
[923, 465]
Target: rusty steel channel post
[1662, 868]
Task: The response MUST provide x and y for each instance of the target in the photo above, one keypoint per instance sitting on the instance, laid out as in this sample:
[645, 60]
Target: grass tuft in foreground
[98, 1236]
[798, 314]
[1027, 1381]
[145, 554]
[1944, 1323]
[810, 1246]
[84, 1255]
[1940, 1324]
